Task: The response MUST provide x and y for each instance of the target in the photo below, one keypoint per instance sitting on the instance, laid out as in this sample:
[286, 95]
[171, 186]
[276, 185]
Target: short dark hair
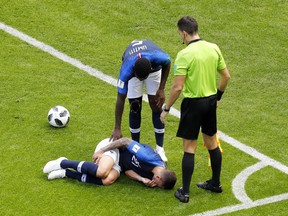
[169, 179]
[188, 24]
[142, 68]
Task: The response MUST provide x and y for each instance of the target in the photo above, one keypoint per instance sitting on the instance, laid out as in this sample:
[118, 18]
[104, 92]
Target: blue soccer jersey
[140, 49]
[140, 158]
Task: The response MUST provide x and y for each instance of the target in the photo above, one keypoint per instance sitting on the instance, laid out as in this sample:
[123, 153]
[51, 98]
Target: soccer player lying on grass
[138, 161]
[105, 172]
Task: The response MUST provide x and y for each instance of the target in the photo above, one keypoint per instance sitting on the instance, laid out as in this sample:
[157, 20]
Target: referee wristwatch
[165, 109]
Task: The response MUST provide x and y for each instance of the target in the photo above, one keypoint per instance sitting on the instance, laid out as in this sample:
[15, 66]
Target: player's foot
[208, 186]
[160, 150]
[57, 174]
[53, 165]
[179, 194]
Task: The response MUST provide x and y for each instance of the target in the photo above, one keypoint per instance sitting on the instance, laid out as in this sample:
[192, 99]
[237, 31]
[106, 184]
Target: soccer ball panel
[58, 116]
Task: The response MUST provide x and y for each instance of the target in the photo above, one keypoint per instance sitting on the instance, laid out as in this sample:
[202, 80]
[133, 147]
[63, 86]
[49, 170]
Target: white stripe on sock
[79, 167]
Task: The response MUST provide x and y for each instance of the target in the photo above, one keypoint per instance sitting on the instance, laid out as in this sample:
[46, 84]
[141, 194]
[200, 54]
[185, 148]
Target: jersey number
[137, 43]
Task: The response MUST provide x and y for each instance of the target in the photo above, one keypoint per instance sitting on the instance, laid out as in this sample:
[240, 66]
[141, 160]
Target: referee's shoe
[207, 185]
[181, 196]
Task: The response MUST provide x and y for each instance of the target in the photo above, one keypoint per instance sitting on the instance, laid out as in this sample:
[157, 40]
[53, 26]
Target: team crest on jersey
[120, 83]
[135, 148]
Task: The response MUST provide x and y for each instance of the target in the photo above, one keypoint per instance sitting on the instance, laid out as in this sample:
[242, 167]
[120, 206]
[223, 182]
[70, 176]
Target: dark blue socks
[158, 128]
[83, 177]
[88, 168]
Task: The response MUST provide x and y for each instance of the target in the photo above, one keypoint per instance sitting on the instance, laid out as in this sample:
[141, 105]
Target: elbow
[124, 141]
[178, 88]
[227, 77]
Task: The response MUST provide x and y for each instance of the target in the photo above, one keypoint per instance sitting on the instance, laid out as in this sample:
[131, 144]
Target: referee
[195, 72]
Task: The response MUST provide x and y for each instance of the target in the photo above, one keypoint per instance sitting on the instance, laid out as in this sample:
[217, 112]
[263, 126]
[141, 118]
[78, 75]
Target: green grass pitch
[253, 38]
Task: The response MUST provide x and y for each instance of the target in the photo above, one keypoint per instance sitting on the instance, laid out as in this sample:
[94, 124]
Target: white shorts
[114, 154]
[152, 83]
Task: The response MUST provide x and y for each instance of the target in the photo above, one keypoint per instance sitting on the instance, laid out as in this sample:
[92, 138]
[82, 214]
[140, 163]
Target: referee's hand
[163, 116]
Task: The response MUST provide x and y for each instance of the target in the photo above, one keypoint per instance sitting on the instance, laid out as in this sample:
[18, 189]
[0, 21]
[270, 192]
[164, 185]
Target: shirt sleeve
[126, 73]
[180, 65]
[221, 61]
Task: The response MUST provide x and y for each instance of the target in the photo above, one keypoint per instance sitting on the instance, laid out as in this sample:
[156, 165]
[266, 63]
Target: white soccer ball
[58, 116]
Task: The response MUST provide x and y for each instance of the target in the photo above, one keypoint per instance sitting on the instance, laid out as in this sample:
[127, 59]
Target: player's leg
[63, 163]
[159, 127]
[67, 173]
[134, 94]
[101, 173]
[152, 85]
[135, 118]
[109, 160]
[85, 175]
[106, 173]
[105, 166]
[111, 178]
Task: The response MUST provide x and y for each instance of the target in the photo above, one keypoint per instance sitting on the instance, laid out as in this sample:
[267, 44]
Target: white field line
[238, 183]
[242, 206]
[239, 191]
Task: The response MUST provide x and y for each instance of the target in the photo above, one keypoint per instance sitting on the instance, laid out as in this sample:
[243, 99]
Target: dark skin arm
[160, 94]
[117, 134]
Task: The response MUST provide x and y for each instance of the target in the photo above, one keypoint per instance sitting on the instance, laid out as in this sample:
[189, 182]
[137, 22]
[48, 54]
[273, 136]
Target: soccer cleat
[57, 174]
[160, 151]
[208, 186]
[179, 194]
[53, 165]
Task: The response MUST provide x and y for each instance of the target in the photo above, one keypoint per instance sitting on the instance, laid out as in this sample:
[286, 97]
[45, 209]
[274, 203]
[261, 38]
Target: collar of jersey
[193, 41]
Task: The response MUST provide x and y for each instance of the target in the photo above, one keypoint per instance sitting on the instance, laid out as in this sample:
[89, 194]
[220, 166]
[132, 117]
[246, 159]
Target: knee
[102, 173]
[135, 105]
[108, 181]
[111, 178]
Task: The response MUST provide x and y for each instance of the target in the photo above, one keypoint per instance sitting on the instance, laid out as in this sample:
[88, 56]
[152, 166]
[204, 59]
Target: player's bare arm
[117, 134]
[134, 176]
[113, 145]
[160, 95]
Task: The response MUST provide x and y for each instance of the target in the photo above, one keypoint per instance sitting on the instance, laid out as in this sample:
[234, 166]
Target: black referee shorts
[197, 113]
